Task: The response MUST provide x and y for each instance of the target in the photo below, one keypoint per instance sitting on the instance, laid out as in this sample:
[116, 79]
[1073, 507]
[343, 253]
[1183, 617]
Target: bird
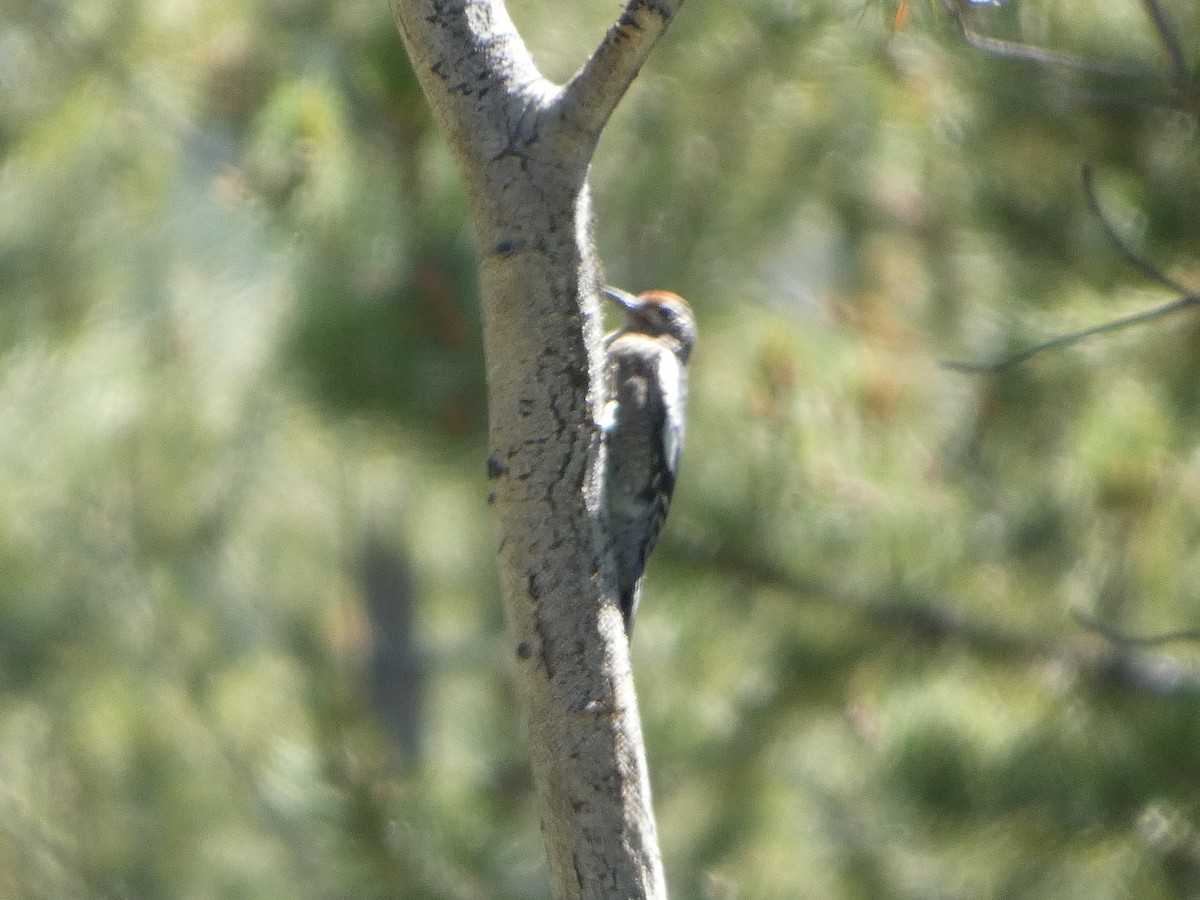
[642, 426]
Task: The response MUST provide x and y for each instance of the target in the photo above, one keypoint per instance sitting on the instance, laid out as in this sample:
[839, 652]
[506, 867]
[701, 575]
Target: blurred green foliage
[885, 648]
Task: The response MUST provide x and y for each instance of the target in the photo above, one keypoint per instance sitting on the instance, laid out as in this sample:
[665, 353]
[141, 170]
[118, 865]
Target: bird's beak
[624, 299]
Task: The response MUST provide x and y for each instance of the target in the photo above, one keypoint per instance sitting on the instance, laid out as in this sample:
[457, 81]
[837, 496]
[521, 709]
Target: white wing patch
[608, 416]
[673, 377]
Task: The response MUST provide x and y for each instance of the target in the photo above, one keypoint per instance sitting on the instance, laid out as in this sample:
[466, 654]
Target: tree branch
[1118, 637]
[1180, 76]
[593, 93]
[1032, 54]
[1066, 340]
[468, 55]
[940, 619]
[1141, 264]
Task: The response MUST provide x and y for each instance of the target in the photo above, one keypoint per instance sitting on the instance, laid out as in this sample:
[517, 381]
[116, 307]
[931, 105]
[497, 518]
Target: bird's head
[658, 314]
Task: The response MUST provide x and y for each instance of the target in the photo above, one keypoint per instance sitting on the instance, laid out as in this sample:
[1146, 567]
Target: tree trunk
[524, 146]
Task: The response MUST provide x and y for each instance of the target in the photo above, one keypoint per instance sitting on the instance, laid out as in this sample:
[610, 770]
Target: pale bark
[524, 146]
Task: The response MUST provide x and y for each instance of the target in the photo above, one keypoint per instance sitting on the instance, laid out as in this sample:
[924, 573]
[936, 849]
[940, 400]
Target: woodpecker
[642, 424]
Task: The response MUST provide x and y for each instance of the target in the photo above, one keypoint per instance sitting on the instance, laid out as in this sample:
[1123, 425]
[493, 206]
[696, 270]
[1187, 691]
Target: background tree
[240, 341]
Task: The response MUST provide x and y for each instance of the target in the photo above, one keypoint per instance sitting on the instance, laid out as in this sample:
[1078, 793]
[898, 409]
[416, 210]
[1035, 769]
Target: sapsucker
[643, 428]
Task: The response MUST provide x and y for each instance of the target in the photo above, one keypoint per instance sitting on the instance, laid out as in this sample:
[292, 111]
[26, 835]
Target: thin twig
[1185, 300]
[1180, 75]
[1033, 54]
[1116, 636]
[934, 618]
[1140, 263]
[1066, 340]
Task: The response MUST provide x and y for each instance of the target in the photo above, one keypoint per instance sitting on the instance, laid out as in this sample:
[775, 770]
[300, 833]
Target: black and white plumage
[643, 424]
